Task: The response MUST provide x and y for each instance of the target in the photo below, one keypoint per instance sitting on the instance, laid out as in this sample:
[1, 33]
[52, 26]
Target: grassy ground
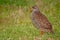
[15, 22]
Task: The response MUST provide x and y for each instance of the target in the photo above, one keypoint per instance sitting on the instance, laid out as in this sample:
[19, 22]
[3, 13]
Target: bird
[40, 21]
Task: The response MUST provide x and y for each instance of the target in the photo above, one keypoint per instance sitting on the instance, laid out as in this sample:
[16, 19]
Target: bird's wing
[43, 21]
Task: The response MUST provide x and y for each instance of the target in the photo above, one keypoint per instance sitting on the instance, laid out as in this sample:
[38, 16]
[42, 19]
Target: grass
[15, 22]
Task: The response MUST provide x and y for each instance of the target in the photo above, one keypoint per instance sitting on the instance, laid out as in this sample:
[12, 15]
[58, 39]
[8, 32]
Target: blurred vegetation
[15, 22]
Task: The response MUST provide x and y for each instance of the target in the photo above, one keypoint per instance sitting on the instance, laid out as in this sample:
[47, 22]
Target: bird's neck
[37, 11]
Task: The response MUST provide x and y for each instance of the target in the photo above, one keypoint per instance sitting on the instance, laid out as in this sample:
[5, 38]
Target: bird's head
[35, 8]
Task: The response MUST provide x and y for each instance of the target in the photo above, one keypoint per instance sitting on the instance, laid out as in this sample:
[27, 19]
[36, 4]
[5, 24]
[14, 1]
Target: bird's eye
[33, 7]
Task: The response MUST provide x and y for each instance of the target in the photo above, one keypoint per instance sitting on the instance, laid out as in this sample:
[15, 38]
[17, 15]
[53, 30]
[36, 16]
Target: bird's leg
[41, 33]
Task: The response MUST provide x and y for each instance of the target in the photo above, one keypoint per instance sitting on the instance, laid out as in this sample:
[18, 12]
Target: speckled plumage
[40, 21]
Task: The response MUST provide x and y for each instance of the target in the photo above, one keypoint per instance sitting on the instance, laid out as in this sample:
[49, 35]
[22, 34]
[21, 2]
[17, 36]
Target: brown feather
[40, 21]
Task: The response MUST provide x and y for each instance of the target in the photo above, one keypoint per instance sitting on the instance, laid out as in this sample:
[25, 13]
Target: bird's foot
[41, 33]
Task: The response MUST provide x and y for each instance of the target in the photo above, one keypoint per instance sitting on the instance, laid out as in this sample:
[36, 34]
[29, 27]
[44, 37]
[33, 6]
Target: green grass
[15, 22]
